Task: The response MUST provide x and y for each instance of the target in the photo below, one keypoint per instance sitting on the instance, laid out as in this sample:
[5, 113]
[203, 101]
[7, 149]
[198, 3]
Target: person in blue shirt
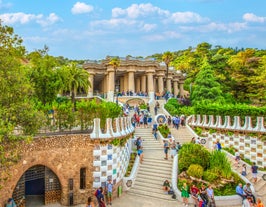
[109, 190]
[240, 191]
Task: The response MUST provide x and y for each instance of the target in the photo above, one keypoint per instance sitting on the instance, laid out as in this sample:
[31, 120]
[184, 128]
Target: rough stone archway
[39, 185]
[64, 155]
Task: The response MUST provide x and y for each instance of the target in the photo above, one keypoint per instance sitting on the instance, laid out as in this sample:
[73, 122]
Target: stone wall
[64, 155]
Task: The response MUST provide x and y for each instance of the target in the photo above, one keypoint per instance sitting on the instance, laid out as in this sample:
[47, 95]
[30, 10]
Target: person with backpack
[100, 197]
[138, 143]
[109, 190]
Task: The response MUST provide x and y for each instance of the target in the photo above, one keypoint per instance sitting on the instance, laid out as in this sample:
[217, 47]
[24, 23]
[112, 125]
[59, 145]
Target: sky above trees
[95, 29]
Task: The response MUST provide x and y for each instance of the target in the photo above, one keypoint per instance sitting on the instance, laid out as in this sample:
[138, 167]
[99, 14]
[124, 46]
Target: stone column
[181, 89]
[176, 88]
[131, 81]
[90, 89]
[155, 85]
[138, 84]
[143, 83]
[168, 85]
[160, 85]
[150, 86]
[111, 85]
[122, 84]
[125, 82]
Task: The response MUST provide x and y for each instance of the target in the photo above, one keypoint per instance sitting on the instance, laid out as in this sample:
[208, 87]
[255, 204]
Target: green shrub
[210, 176]
[174, 108]
[198, 131]
[193, 154]
[211, 131]
[220, 164]
[229, 133]
[231, 150]
[164, 130]
[143, 106]
[195, 170]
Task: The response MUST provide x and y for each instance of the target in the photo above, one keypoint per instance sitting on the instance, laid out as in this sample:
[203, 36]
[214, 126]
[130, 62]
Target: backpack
[137, 143]
[96, 193]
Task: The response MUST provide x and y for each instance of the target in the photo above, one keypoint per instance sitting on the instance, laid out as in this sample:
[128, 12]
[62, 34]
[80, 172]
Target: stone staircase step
[249, 176]
[158, 162]
[154, 171]
[150, 195]
[149, 188]
[149, 185]
[156, 167]
[149, 175]
[259, 185]
[154, 181]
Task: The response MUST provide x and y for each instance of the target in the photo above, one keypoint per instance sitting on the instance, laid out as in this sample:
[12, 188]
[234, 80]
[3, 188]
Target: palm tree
[115, 62]
[167, 58]
[76, 79]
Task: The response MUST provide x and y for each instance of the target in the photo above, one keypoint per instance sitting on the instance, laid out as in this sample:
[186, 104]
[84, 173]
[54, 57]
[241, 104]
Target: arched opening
[38, 186]
[135, 101]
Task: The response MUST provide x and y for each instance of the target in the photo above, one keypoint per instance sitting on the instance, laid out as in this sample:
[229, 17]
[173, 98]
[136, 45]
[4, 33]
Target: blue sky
[95, 29]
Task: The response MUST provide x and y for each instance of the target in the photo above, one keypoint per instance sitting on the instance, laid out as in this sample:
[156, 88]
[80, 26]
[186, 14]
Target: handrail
[129, 181]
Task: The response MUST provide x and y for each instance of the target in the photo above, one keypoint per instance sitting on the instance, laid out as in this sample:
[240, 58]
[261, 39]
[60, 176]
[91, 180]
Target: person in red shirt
[194, 191]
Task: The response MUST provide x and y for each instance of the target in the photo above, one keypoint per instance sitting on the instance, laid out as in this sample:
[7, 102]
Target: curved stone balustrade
[128, 182]
[219, 123]
[123, 127]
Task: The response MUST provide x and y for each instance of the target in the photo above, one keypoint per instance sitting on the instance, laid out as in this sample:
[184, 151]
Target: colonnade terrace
[135, 75]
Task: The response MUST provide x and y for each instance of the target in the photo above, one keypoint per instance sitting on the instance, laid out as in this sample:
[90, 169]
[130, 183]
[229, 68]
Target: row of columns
[145, 83]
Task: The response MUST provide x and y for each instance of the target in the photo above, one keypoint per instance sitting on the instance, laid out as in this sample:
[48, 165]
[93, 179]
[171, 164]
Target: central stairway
[154, 170]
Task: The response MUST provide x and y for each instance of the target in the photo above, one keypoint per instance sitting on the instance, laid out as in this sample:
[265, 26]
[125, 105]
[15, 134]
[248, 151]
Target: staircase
[259, 186]
[154, 170]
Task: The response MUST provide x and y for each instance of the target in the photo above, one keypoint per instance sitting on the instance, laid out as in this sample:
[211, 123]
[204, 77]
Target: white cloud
[139, 10]
[22, 18]
[250, 17]
[163, 36]
[148, 27]
[35, 39]
[213, 26]
[187, 17]
[81, 8]
[114, 23]
[51, 19]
